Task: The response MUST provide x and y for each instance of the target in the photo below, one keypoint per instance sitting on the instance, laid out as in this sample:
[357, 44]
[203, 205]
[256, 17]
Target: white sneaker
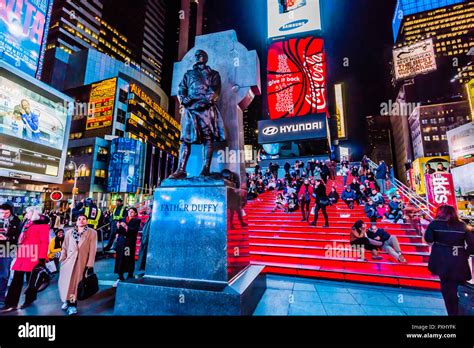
[116, 283]
[71, 310]
[64, 306]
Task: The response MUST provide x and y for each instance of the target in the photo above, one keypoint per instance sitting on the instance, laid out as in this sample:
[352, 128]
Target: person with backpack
[34, 236]
[305, 194]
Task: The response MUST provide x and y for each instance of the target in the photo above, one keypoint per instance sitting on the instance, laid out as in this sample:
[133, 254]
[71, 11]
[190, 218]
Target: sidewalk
[284, 296]
[102, 303]
[307, 297]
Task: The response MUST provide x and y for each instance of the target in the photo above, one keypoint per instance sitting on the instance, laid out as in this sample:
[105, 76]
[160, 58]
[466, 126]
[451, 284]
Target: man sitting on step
[349, 196]
[390, 243]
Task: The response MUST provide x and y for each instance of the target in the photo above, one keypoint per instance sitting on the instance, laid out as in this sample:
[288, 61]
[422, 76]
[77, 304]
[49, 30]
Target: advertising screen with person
[33, 127]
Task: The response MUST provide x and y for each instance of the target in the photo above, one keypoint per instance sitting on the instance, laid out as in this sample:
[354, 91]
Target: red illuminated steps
[288, 246]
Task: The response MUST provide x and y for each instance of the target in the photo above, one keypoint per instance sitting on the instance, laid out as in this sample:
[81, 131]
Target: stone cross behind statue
[239, 70]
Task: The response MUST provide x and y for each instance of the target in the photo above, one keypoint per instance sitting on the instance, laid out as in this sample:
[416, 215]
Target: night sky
[360, 30]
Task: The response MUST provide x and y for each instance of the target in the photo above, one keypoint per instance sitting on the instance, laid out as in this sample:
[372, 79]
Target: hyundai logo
[270, 131]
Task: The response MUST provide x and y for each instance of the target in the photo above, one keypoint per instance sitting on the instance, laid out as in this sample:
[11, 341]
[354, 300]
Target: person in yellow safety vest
[93, 214]
[118, 215]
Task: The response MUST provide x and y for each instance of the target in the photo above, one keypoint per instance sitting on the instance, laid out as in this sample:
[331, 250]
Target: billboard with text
[418, 58]
[301, 128]
[296, 78]
[290, 17]
[34, 128]
[22, 30]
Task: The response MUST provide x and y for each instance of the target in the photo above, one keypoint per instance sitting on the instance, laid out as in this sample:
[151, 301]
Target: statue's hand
[186, 101]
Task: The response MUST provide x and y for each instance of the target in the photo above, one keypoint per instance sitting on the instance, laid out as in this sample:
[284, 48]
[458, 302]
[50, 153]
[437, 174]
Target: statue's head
[201, 57]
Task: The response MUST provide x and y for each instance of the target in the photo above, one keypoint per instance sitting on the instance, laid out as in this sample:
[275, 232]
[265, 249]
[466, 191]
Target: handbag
[40, 278]
[88, 286]
[51, 266]
[324, 201]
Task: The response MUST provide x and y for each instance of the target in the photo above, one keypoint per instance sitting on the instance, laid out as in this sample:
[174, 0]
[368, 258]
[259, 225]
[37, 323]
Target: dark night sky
[357, 29]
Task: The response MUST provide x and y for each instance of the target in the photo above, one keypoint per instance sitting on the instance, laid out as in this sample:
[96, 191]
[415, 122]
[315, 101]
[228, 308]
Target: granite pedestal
[198, 255]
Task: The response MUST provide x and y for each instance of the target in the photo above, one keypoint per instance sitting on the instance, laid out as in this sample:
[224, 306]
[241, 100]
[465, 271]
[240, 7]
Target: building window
[424, 121]
[444, 137]
[433, 121]
[123, 95]
[119, 133]
[427, 138]
[435, 137]
[121, 116]
[103, 154]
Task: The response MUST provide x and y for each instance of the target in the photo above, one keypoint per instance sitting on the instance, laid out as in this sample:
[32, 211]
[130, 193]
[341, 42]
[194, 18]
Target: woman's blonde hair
[36, 212]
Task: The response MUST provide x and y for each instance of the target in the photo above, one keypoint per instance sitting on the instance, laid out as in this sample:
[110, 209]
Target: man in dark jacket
[349, 196]
[381, 176]
[287, 167]
[370, 210]
[324, 172]
[390, 243]
[10, 228]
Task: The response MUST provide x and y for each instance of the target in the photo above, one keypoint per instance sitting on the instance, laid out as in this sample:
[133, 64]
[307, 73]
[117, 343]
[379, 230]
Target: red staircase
[287, 246]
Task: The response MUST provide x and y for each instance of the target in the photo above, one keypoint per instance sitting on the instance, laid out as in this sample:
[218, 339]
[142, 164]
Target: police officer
[90, 210]
[118, 215]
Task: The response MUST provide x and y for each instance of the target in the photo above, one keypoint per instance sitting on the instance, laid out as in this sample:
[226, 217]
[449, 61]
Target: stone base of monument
[162, 296]
[198, 255]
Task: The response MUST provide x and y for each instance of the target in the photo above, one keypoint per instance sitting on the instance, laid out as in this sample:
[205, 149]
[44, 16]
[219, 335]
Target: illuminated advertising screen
[283, 130]
[415, 59]
[34, 128]
[150, 122]
[340, 112]
[470, 96]
[290, 17]
[125, 165]
[420, 169]
[296, 78]
[22, 29]
[461, 142]
[102, 100]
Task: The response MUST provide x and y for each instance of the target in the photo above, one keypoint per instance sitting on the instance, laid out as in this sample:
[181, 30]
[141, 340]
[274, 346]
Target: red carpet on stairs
[287, 246]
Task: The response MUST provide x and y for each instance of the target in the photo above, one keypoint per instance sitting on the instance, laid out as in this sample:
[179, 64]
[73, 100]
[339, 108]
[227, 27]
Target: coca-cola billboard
[440, 190]
[296, 78]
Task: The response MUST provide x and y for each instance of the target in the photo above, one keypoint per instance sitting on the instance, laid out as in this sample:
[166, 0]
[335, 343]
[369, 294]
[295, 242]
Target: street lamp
[73, 166]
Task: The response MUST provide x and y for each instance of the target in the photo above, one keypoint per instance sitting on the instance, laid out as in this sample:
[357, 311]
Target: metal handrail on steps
[418, 202]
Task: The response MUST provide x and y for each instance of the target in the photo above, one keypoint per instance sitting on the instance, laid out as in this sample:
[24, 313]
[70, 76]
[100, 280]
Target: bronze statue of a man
[201, 122]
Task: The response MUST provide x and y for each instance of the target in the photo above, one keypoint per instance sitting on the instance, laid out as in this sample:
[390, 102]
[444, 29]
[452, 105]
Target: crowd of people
[302, 183]
[71, 252]
[37, 246]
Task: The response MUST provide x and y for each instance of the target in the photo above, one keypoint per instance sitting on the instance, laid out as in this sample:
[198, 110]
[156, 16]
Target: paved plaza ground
[284, 296]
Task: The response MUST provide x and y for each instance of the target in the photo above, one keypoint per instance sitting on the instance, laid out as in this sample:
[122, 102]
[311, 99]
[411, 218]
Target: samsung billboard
[23, 26]
[290, 17]
[292, 129]
[34, 128]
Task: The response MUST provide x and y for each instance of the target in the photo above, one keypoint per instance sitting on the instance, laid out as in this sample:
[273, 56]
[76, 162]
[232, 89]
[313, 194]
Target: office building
[429, 124]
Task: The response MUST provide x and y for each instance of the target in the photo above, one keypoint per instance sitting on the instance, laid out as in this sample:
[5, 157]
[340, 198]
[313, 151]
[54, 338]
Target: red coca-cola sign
[296, 78]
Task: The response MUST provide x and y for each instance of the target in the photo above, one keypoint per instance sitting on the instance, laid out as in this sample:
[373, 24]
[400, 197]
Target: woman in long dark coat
[127, 232]
[449, 254]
